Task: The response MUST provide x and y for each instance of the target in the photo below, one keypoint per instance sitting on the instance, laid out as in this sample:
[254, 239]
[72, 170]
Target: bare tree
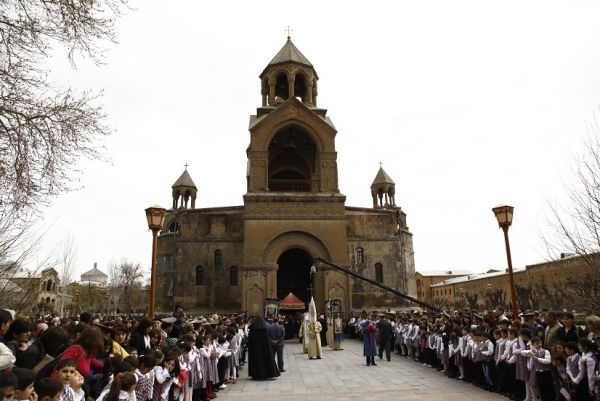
[472, 299]
[575, 230]
[67, 268]
[44, 129]
[576, 225]
[439, 303]
[125, 277]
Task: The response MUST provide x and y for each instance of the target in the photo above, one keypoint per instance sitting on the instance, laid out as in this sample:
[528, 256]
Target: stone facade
[426, 279]
[453, 292]
[231, 258]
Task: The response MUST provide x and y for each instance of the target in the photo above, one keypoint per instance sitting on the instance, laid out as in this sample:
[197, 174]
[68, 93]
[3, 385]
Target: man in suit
[384, 333]
[276, 333]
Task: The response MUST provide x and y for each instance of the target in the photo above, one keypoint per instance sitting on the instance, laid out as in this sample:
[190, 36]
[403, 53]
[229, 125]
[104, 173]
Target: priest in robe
[314, 332]
[261, 360]
[303, 333]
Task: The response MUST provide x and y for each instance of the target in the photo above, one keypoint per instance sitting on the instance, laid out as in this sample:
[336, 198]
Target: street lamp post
[504, 214]
[155, 216]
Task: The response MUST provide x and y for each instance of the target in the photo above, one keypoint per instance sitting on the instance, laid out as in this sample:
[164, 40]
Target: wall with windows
[199, 266]
[381, 250]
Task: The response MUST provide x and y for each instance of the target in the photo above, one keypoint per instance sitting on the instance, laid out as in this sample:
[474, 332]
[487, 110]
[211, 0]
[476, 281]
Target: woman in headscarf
[261, 362]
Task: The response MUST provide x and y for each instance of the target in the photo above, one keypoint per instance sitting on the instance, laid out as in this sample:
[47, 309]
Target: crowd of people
[534, 356]
[119, 359]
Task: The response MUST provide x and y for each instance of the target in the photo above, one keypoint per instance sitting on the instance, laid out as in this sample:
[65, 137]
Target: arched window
[360, 255]
[174, 227]
[49, 286]
[233, 276]
[379, 273]
[199, 276]
[218, 259]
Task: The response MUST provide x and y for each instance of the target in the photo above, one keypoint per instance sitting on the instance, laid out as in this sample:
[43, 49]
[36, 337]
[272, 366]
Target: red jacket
[85, 363]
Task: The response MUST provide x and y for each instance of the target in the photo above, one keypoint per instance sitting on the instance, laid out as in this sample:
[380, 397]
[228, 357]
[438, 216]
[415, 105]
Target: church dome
[95, 275]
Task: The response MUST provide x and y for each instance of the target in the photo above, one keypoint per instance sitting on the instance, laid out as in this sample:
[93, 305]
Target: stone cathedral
[231, 258]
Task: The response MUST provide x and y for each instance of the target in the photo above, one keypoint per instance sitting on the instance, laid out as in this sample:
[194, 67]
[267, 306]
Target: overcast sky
[468, 104]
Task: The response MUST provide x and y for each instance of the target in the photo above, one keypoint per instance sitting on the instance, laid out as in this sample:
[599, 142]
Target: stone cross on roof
[288, 29]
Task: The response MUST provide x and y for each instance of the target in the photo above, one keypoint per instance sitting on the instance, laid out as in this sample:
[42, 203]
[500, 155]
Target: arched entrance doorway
[294, 274]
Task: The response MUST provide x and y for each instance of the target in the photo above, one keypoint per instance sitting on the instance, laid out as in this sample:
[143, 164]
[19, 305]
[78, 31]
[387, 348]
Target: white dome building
[95, 276]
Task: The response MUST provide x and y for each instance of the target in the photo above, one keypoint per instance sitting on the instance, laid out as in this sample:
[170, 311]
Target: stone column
[272, 82]
[264, 90]
[309, 92]
[291, 81]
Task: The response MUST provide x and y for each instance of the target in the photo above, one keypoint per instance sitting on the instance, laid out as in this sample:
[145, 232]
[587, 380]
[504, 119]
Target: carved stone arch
[284, 241]
[310, 131]
[272, 75]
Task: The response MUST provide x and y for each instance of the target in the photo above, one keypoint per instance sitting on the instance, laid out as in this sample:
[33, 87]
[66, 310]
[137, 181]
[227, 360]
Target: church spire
[184, 189]
[383, 190]
[289, 74]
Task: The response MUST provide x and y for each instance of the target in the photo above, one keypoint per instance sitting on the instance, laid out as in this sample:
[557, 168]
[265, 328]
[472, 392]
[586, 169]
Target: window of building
[218, 259]
[49, 286]
[233, 276]
[360, 255]
[199, 276]
[174, 227]
[379, 273]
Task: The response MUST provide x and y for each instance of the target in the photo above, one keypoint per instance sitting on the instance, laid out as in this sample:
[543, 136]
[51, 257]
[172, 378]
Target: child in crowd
[521, 348]
[24, 391]
[67, 374]
[122, 388]
[560, 378]
[163, 379]
[539, 366]
[8, 385]
[587, 366]
[510, 360]
[487, 360]
[48, 389]
[143, 387]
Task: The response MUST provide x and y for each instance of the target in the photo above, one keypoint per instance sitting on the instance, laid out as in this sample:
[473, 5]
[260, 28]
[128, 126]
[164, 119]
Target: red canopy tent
[292, 302]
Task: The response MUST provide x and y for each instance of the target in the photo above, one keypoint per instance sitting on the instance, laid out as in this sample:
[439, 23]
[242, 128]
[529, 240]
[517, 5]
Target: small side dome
[184, 189]
[383, 190]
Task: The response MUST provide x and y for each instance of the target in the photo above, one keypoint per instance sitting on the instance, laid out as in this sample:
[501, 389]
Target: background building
[569, 283]
[231, 258]
[95, 276]
[29, 292]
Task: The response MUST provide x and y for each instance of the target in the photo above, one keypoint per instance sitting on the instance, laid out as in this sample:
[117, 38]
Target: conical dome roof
[382, 178]
[184, 181]
[288, 53]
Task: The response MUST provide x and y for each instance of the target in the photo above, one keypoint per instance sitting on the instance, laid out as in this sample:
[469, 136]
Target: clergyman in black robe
[261, 361]
[324, 329]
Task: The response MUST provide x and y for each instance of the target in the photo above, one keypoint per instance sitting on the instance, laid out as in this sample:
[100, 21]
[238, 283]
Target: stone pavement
[344, 376]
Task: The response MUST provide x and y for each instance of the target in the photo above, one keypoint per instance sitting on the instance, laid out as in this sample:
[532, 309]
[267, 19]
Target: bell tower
[292, 199]
[289, 74]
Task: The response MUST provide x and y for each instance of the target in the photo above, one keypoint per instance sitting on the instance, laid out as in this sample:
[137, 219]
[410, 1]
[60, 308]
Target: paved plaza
[343, 376]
